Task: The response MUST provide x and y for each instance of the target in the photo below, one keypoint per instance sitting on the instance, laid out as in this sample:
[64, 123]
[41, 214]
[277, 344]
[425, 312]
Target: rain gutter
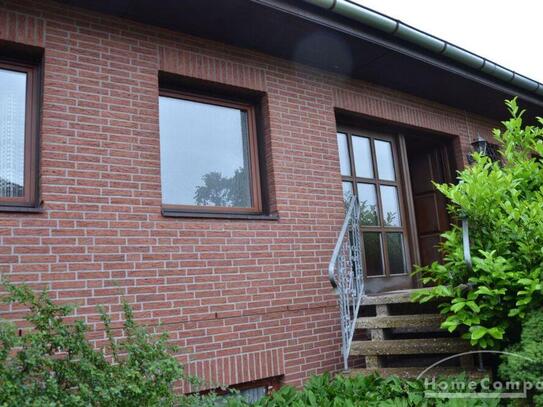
[427, 41]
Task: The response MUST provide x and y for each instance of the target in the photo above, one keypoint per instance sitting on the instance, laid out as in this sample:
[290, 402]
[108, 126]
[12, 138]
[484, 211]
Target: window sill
[170, 213]
[21, 209]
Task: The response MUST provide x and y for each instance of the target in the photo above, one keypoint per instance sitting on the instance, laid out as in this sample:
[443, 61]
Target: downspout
[433, 44]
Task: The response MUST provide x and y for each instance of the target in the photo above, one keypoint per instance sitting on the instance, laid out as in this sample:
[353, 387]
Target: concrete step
[409, 347]
[413, 372]
[389, 297]
[432, 321]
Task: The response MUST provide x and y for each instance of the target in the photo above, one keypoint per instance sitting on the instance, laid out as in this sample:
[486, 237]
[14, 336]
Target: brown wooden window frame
[29, 200]
[401, 188]
[256, 209]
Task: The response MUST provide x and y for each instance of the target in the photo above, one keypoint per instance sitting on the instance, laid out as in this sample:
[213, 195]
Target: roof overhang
[301, 32]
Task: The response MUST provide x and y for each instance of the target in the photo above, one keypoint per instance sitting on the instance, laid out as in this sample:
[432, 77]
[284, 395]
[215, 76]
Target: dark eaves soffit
[407, 33]
[342, 37]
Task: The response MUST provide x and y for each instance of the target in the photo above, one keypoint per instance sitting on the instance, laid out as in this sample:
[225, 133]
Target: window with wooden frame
[18, 136]
[251, 392]
[209, 155]
[370, 168]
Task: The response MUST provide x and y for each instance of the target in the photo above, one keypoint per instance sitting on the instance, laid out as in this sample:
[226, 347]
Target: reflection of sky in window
[195, 139]
[12, 126]
[385, 162]
[391, 207]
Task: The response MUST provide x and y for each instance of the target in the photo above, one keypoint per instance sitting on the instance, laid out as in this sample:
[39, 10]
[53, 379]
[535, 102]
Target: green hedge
[523, 362]
[53, 363]
[372, 390]
[503, 201]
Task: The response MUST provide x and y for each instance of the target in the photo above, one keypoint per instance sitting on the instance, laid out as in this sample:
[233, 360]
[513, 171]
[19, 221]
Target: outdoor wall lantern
[483, 147]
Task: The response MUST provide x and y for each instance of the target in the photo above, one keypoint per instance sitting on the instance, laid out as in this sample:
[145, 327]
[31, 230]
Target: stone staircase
[396, 336]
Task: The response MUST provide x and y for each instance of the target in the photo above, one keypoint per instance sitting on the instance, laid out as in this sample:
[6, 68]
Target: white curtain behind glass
[12, 133]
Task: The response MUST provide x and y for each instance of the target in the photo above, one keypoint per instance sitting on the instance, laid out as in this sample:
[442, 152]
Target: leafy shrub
[367, 391]
[504, 204]
[53, 364]
[527, 365]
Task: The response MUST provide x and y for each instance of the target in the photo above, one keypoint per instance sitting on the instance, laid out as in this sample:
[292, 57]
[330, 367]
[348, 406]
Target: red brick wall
[244, 299]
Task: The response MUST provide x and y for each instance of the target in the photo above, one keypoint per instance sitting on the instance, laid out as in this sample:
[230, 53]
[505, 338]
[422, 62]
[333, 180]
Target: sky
[505, 32]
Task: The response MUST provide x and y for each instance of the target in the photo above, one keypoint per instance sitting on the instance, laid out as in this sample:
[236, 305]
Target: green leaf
[513, 312]
[450, 325]
[473, 306]
[496, 332]
[458, 306]
[484, 291]
[477, 332]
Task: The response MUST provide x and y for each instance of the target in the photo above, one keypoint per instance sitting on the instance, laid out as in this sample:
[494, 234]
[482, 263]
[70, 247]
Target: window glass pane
[344, 161]
[373, 253]
[385, 163]
[253, 395]
[395, 253]
[368, 204]
[362, 157]
[12, 133]
[347, 192]
[204, 154]
[391, 208]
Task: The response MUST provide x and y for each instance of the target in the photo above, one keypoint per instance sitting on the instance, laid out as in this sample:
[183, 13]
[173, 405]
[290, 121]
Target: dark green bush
[504, 204]
[363, 391]
[524, 364]
[53, 363]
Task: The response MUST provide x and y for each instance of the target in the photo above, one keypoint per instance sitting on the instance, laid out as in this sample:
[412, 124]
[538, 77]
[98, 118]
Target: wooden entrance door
[429, 163]
[371, 169]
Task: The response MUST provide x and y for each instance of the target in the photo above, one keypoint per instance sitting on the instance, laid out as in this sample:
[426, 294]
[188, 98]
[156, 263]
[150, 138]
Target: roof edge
[397, 28]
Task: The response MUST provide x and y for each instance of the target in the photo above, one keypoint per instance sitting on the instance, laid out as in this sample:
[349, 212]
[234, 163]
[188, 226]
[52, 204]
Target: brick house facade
[246, 299]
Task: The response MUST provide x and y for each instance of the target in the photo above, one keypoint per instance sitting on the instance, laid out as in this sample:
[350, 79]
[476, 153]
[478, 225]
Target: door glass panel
[395, 253]
[362, 157]
[369, 171]
[368, 204]
[391, 207]
[385, 163]
[347, 192]
[12, 133]
[344, 161]
[373, 253]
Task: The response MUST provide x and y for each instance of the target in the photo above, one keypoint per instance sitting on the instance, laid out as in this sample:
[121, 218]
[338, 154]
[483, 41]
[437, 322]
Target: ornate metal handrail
[345, 273]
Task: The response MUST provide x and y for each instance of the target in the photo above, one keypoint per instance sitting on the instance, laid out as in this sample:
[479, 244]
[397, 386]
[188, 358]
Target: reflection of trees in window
[368, 213]
[224, 191]
[390, 219]
[10, 189]
[396, 257]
